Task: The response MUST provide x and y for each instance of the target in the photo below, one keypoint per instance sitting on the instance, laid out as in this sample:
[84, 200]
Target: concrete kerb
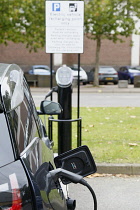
[108, 89]
[107, 168]
[91, 89]
[124, 168]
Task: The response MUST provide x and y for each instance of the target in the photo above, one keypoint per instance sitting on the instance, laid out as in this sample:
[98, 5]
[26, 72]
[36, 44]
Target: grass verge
[111, 133]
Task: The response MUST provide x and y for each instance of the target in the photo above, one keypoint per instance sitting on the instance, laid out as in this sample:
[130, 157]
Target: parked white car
[40, 70]
[83, 74]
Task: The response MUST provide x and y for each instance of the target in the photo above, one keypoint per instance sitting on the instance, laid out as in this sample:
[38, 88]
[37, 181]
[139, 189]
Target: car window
[22, 125]
[33, 108]
[30, 100]
[134, 71]
[138, 68]
[1, 108]
[23, 121]
[5, 143]
[41, 67]
[122, 69]
[125, 70]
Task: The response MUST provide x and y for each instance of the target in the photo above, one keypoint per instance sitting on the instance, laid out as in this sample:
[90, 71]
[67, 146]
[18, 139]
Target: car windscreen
[75, 69]
[138, 67]
[134, 70]
[109, 70]
[41, 71]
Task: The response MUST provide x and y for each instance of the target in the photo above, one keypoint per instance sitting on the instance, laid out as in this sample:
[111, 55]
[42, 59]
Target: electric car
[29, 179]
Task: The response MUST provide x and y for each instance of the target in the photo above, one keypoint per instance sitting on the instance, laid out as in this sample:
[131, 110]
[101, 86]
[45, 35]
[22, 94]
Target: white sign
[64, 26]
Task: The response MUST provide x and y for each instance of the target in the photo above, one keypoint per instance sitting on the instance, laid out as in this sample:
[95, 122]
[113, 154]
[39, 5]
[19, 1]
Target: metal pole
[51, 68]
[78, 94]
[79, 123]
[64, 128]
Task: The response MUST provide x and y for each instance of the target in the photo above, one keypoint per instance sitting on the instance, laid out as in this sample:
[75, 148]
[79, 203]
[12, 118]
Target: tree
[109, 19]
[23, 21]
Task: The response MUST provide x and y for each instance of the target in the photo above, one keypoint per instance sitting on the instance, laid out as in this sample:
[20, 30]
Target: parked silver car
[106, 74]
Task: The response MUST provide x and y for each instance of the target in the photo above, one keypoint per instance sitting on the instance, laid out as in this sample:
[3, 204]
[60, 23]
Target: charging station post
[64, 79]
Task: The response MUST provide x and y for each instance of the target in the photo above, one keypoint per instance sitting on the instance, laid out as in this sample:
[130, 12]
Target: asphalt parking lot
[103, 96]
[112, 192]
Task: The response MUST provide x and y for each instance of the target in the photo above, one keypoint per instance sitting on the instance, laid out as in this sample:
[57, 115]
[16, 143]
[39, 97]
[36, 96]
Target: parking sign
[56, 7]
[64, 26]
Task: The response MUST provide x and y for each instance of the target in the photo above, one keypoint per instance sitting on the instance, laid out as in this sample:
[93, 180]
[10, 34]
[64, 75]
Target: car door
[38, 159]
[36, 154]
[123, 73]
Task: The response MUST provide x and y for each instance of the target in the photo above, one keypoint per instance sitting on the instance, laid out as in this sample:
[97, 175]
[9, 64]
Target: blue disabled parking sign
[56, 7]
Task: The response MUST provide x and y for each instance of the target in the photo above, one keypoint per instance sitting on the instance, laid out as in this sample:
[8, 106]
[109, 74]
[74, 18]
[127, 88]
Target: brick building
[111, 54]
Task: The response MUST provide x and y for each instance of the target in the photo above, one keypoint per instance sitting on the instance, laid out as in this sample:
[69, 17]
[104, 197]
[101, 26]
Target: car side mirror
[78, 161]
[50, 108]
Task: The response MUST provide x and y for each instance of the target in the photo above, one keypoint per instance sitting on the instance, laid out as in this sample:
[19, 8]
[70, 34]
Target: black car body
[25, 151]
[29, 179]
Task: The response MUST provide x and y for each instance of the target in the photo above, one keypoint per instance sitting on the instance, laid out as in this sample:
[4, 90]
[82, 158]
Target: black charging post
[64, 80]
